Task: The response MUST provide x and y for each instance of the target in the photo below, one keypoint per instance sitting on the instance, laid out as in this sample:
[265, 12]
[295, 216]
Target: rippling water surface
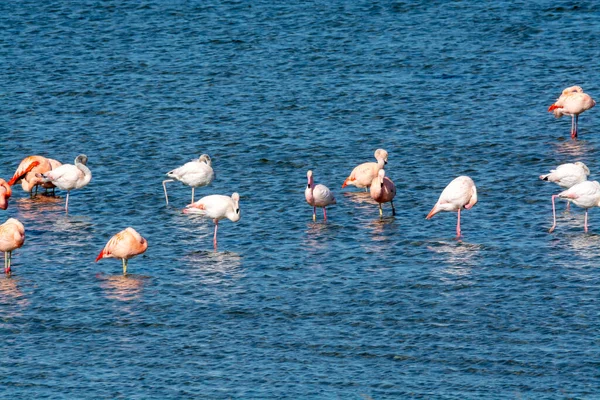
[355, 308]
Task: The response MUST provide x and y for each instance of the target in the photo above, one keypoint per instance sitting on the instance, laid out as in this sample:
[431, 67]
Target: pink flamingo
[363, 175]
[5, 193]
[585, 194]
[572, 102]
[383, 190]
[124, 245]
[12, 236]
[460, 194]
[318, 196]
[568, 175]
[217, 207]
[28, 170]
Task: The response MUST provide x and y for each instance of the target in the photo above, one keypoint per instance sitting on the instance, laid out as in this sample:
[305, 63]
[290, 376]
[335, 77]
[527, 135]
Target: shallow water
[359, 307]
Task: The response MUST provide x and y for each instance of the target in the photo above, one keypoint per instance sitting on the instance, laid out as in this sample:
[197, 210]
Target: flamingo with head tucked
[5, 193]
[383, 190]
[567, 175]
[68, 177]
[585, 194]
[362, 175]
[573, 101]
[217, 207]
[28, 171]
[196, 173]
[124, 245]
[318, 196]
[460, 194]
[12, 236]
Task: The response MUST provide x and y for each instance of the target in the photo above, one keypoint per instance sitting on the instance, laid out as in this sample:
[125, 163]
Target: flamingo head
[381, 175]
[205, 158]
[81, 159]
[309, 176]
[381, 154]
[235, 198]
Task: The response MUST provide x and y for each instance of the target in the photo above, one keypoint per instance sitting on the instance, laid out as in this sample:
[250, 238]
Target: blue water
[357, 308]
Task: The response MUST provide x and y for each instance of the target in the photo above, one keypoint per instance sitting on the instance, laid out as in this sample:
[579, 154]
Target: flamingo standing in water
[195, 173]
[5, 193]
[460, 194]
[318, 196]
[585, 194]
[362, 175]
[28, 172]
[68, 177]
[217, 207]
[567, 175]
[383, 190]
[12, 236]
[124, 245]
[572, 102]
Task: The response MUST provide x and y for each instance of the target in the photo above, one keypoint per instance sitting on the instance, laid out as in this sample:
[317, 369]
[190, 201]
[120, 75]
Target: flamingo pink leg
[585, 228]
[216, 221]
[325, 214]
[458, 226]
[553, 214]
[67, 202]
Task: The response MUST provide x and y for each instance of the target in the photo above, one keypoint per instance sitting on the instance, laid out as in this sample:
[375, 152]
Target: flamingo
[585, 194]
[460, 194]
[568, 175]
[12, 236]
[68, 177]
[48, 185]
[28, 170]
[363, 175]
[195, 173]
[318, 196]
[217, 207]
[572, 102]
[5, 193]
[124, 245]
[383, 190]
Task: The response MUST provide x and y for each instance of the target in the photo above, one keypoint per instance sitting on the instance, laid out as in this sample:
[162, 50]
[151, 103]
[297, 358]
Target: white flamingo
[460, 194]
[318, 196]
[217, 207]
[196, 173]
[568, 175]
[68, 177]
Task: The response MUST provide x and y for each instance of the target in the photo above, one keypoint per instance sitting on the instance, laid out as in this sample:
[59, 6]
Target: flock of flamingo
[459, 194]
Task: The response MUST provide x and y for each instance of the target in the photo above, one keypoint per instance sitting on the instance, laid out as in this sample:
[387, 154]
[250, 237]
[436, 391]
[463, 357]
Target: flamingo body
[28, 171]
[585, 194]
[124, 245]
[573, 101]
[383, 190]
[195, 174]
[568, 175]
[318, 196]
[460, 194]
[362, 175]
[217, 207]
[68, 177]
[12, 236]
[5, 193]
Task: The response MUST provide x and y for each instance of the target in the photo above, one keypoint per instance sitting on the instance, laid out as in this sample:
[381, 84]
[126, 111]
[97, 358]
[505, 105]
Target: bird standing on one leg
[124, 245]
[460, 194]
[217, 207]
